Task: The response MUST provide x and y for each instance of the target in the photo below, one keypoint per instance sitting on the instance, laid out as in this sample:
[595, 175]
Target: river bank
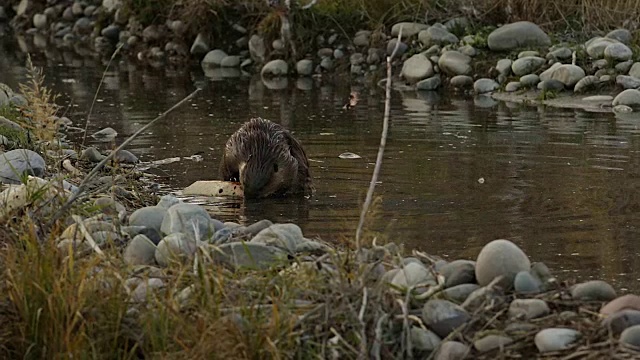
[124, 273]
[461, 54]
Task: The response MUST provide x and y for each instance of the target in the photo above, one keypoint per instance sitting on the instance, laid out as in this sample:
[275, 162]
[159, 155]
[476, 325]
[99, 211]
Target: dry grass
[40, 117]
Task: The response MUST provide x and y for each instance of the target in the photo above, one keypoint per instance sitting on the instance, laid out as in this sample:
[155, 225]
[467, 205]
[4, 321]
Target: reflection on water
[457, 172]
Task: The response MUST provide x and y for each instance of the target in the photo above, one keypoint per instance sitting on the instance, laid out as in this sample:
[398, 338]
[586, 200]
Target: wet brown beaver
[267, 160]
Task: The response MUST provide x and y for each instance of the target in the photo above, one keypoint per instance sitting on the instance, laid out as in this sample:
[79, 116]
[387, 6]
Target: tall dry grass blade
[83, 185]
[383, 143]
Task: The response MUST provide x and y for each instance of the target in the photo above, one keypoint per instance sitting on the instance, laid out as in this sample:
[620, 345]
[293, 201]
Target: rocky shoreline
[153, 253]
[456, 56]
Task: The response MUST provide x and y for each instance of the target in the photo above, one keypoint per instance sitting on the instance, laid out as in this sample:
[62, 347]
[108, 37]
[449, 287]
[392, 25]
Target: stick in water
[383, 143]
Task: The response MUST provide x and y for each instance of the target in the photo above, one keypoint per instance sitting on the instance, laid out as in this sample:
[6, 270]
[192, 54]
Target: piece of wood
[214, 188]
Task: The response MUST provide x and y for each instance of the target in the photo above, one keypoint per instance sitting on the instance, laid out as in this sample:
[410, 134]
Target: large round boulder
[500, 258]
[517, 35]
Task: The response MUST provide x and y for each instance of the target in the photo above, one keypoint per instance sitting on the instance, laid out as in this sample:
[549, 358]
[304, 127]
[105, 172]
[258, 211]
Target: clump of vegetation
[40, 116]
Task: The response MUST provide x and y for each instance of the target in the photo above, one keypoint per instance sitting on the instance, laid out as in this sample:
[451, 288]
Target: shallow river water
[457, 172]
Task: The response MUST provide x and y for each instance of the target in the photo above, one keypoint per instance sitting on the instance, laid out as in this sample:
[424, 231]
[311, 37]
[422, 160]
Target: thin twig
[363, 326]
[383, 143]
[83, 185]
[95, 96]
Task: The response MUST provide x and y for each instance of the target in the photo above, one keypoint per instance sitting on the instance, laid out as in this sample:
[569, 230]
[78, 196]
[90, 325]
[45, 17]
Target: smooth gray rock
[527, 65]
[304, 67]
[452, 350]
[529, 80]
[550, 85]
[525, 283]
[459, 272]
[111, 32]
[622, 35]
[175, 247]
[106, 134]
[468, 50]
[513, 86]
[528, 308]
[459, 293]
[6, 123]
[500, 257]
[126, 157]
[249, 255]
[257, 48]
[15, 164]
[326, 63]
[356, 59]
[586, 83]
[624, 67]
[230, 61]
[150, 216]
[430, 84]
[597, 290]
[222, 236]
[167, 201]
[286, 237]
[618, 52]
[461, 81]
[200, 45]
[140, 251]
[555, 339]
[568, 74]
[629, 97]
[504, 66]
[561, 53]
[412, 274]
[596, 47]
[188, 219]
[482, 86]
[150, 233]
[416, 68]
[145, 289]
[454, 63]
[491, 342]
[213, 58]
[631, 336]
[402, 47]
[276, 67]
[424, 340]
[621, 320]
[546, 75]
[628, 82]
[443, 317]
[528, 53]
[516, 35]
[436, 35]
[362, 39]
[257, 227]
[635, 70]
[40, 21]
[409, 29]
[108, 205]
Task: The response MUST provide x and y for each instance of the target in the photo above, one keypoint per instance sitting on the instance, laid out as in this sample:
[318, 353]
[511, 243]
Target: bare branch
[383, 143]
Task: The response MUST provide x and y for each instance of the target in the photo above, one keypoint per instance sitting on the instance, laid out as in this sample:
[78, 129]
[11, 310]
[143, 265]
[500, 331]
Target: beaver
[267, 160]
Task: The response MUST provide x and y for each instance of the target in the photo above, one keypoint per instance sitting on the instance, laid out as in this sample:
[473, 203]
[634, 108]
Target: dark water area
[458, 172]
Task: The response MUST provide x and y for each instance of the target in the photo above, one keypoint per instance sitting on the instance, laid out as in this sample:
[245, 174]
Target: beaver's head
[259, 155]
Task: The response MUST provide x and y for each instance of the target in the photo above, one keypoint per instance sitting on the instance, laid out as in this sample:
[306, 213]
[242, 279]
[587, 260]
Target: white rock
[500, 258]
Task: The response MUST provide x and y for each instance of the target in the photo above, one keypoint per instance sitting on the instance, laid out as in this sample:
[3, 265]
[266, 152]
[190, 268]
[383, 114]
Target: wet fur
[272, 162]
